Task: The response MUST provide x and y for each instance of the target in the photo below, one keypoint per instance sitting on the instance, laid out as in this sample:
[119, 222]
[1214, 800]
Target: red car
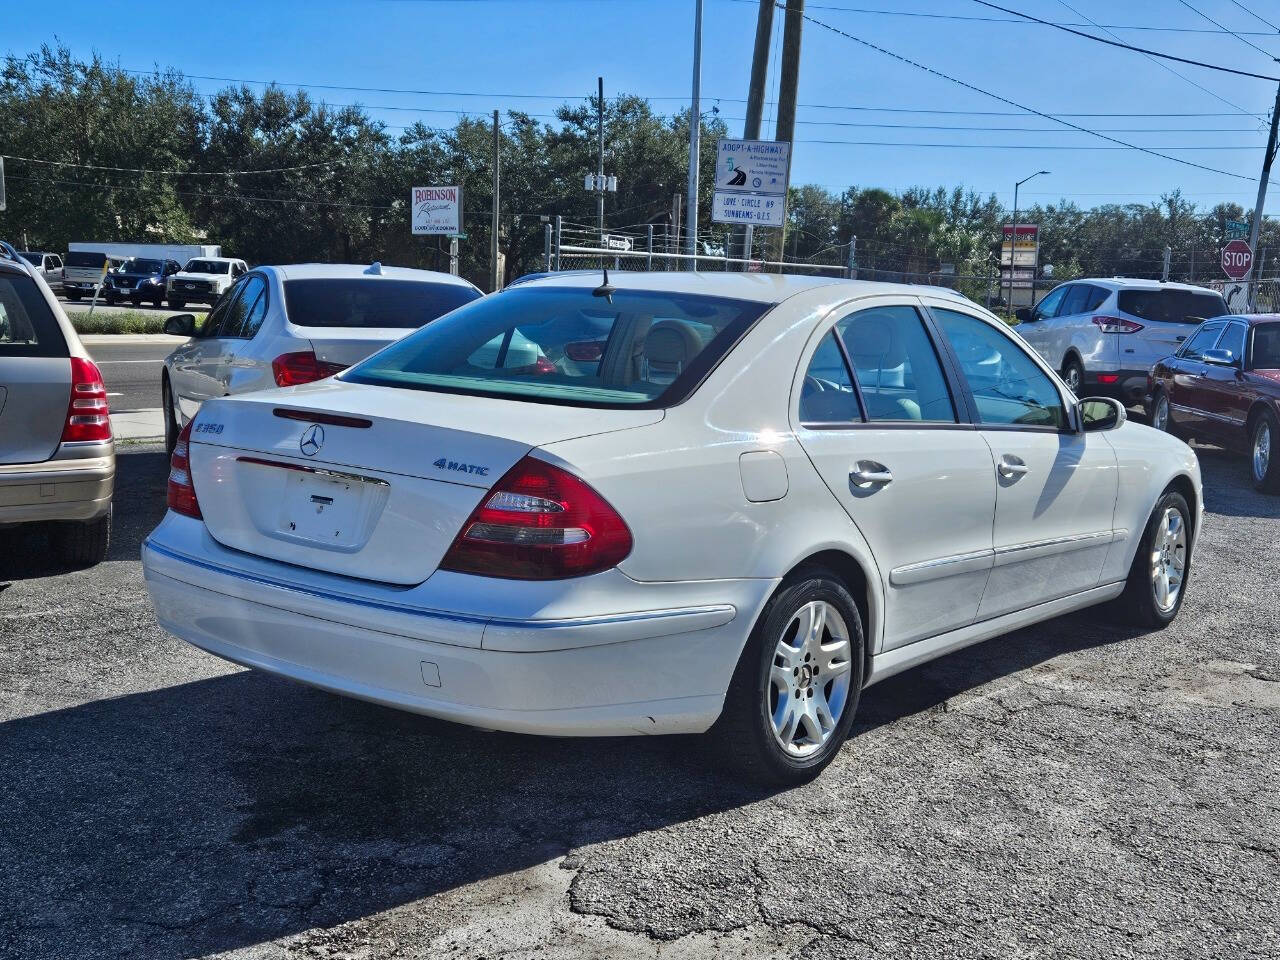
[1223, 386]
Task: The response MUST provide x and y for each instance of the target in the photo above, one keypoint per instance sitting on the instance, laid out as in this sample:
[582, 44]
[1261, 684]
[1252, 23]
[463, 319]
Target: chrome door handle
[868, 473]
[1011, 466]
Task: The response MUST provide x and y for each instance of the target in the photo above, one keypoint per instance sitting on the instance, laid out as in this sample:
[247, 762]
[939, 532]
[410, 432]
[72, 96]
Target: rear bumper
[657, 669]
[65, 488]
[1126, 385]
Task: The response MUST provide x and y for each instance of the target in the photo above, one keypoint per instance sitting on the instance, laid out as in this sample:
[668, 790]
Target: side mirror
[1101, 413]
[1024, 314]
[181, 325]
[1219, 358]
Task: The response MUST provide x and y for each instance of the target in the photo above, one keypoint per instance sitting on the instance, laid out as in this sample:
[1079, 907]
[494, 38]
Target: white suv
[203, 280]
[1104, 335]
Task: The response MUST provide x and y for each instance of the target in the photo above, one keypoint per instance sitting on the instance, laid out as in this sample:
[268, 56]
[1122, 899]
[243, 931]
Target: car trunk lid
[363, 481]
[345, 346]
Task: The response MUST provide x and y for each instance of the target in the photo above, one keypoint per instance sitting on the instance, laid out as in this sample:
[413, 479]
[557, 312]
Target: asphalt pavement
[1078, 789]
[130, 368]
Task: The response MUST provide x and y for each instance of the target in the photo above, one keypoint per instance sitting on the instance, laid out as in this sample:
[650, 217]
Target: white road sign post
[751, 182]
[436, 211]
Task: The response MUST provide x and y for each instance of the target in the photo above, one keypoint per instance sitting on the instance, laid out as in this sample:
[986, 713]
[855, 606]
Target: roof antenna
[605, 289]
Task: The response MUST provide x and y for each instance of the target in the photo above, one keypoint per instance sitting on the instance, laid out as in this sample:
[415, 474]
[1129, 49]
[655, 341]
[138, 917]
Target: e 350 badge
[445, 464]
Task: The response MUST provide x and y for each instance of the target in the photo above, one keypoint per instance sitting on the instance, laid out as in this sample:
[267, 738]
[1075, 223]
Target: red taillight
[182, 493]
[88, 419]
[539, 523]
[291, 369]
[1116, 325]
[1108, 378]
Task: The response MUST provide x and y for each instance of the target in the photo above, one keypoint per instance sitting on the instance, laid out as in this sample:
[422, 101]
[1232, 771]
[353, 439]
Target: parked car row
[1198, 371]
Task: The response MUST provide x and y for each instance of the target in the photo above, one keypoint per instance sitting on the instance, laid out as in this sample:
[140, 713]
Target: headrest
[873, 341]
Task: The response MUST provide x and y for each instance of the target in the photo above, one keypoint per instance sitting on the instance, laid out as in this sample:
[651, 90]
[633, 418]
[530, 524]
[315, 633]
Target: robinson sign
[436, 210]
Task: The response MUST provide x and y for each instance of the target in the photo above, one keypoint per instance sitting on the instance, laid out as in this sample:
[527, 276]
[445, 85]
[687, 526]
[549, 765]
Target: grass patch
[130, 321]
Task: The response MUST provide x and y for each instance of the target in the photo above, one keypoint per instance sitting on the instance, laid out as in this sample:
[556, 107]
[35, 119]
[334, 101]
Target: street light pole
[600, 157]
[695, 130]
[1013, 240]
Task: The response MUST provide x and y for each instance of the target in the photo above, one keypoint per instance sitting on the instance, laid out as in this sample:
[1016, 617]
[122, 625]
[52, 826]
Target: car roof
[1252, 319]
[1140, 283]
[760, 287]
[332, 271]
[201, 257]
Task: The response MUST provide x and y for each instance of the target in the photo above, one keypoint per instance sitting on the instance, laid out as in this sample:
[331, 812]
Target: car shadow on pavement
[138, 505]
[231, 811]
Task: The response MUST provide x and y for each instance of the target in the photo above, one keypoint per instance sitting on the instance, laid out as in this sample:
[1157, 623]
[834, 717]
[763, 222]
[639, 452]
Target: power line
[173, 173]
[1022, 146]
[1128, 46]
[1181, 76]
[1256, 17]
[1250, 43]
[976, 19]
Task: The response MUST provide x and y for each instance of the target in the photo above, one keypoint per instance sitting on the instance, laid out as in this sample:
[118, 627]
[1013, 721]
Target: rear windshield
[27, 325]
[1172, 306]
[82, 258]
[371, 302]
[36, 258]
[552, 345]
[207, 266]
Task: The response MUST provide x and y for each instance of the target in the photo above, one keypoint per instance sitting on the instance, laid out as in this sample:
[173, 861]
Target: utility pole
[1255, 228]
[755, 92]
[1168, 255]
[497, 176]
[792, 25]
[695, 132]
[675, 222]
[600, 158]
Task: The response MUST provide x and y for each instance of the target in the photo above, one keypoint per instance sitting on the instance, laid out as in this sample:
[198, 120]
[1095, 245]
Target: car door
[1037, 331]
[197, 368]
[1056, 486]
[1075, 314]
[1223, 390]
[895, 449]
[1186, 390]
[244, 369]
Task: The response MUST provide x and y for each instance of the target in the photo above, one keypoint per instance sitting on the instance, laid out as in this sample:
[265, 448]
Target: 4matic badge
[446, 464]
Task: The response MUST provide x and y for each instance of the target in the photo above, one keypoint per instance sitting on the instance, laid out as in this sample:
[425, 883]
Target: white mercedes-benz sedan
[671, 504]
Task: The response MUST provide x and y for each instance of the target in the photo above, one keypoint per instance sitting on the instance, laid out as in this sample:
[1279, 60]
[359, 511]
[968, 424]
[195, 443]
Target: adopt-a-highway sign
[751, 182]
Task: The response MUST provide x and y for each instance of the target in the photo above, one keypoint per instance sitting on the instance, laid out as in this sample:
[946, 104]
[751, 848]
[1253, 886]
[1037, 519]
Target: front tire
[1264, 459]
[1161, 418]
[796, 687]
[83, 544]
[73, 297]
[1158, 577]
[1073, 375]
[176, 304]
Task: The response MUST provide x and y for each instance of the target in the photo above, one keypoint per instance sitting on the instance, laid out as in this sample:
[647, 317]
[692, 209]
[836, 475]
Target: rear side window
[1077, 300]
[896, 366]
[828, 395]
[28, 327]
[1266, 347]
[244, 313]
[566, 346]
[371, 302]
[1172, 306]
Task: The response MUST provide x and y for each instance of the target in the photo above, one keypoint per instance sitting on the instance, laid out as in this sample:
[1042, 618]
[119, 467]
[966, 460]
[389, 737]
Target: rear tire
[1073, 375]
[795, 683]
[1164, 556]
[1264, 459]
[73, 297]
[83, 544]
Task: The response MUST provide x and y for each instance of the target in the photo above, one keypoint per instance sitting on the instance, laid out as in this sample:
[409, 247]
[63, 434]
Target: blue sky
[548, 50]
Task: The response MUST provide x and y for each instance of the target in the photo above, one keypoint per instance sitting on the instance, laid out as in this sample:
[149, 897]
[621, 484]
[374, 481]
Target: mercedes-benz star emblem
[312, 440]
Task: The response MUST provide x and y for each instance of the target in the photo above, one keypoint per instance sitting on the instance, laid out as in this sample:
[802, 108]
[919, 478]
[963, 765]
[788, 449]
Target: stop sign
[1237, 259]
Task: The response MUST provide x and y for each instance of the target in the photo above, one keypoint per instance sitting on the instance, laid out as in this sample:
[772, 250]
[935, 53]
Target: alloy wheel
[1160, 416]
[1169, 559]
[809, 681]
[1072, 376]
[1262, 451]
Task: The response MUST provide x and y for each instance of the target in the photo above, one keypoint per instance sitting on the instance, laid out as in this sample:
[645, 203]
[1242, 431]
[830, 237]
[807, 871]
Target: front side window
[1008, 387]
[1048, 307]
[1200, 341]
[567, 346]
[896, 366]
[827, 395]
[1233, 341]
